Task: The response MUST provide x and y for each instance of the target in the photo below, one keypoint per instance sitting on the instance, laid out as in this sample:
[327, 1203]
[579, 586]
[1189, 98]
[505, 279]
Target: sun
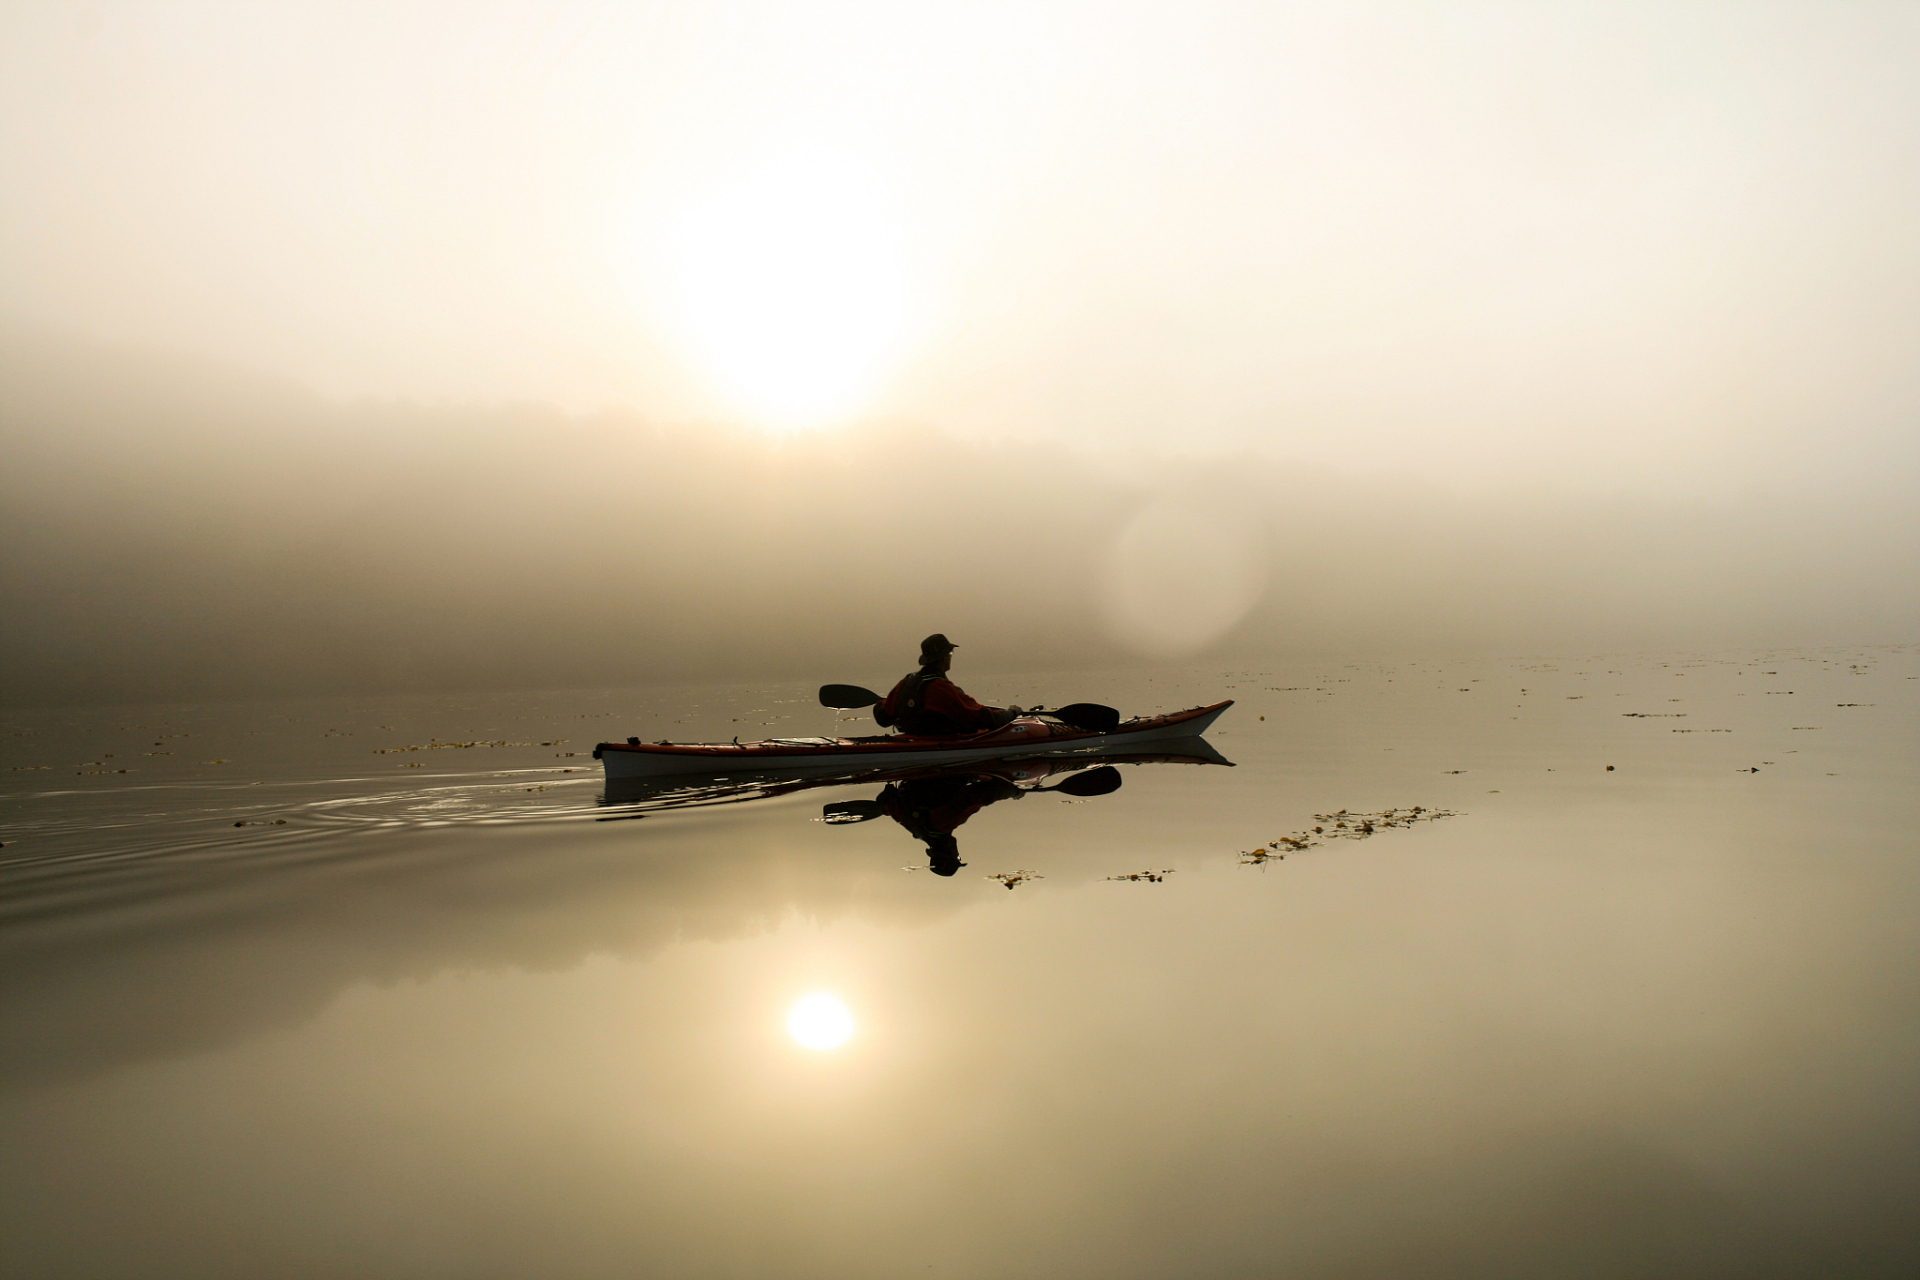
[819, 1021]
[793, 286]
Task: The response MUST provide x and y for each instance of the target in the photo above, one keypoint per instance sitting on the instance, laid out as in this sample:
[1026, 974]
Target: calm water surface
[443, 1007]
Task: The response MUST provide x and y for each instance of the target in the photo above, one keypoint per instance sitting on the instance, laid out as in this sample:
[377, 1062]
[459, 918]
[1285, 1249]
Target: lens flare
[819, 1021]
[1181, 575]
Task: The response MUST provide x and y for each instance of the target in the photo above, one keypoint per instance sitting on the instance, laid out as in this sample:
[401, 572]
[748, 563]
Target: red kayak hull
[1027, 735]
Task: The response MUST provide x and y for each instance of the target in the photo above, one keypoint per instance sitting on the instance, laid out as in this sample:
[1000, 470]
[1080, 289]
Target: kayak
[1026, 735]
[680, 790]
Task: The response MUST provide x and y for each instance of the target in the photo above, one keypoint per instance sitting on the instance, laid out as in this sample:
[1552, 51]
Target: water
[447, 1010]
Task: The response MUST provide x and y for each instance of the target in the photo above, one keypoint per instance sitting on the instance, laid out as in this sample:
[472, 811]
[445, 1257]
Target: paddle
[1090, 716]
[1094, 782]
[848, 696]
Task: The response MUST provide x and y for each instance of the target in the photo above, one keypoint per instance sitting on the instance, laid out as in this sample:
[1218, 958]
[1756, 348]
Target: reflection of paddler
[931, 808]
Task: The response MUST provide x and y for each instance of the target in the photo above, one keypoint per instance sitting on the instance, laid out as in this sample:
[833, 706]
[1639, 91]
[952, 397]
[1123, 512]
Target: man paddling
[928, 702]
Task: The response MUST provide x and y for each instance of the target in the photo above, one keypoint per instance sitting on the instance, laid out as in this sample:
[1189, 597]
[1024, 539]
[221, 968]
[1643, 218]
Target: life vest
[910, 708]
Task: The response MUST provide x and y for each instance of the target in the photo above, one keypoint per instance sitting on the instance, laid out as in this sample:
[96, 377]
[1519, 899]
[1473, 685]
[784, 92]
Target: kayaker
[927, 702]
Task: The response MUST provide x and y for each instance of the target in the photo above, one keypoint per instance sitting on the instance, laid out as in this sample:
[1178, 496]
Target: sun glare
[819, 1021]
[793, 287]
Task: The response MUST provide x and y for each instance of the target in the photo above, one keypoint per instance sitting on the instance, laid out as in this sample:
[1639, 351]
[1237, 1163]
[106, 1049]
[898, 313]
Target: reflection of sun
[793, 286]
[819, 1021]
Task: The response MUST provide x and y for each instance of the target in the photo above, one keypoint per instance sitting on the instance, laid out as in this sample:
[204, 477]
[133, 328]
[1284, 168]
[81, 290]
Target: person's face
[943, 661]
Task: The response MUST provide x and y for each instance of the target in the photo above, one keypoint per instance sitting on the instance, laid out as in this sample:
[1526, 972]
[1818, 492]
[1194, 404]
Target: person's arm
[950, 700]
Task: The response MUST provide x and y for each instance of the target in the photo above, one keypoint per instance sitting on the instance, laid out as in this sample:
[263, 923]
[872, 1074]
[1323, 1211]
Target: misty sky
[335, 331]
[1472, 240]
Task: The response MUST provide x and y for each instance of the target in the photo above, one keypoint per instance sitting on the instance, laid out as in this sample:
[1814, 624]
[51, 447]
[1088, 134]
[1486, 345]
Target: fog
[174, 530]
[427, 346]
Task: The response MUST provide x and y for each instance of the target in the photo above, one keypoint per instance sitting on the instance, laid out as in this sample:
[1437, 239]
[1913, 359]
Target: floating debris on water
[1341, 825]
[437, 745]
[1012, 878]
[1153, 876]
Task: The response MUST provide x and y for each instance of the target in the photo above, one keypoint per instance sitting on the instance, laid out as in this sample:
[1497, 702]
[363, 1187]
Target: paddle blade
[847, 696]
[1094, 782]
[1090, 716]
[851, 811]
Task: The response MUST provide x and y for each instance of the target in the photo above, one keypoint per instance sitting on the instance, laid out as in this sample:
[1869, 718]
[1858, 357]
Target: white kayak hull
[1027, 735]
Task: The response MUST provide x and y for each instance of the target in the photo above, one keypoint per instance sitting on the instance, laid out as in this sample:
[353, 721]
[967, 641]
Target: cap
[937, 643]
[943, 855]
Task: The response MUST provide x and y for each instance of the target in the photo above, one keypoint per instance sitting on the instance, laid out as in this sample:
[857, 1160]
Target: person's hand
[1017, 711]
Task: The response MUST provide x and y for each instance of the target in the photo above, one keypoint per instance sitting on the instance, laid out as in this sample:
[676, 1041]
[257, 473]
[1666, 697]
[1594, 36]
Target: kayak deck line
[1025, 734]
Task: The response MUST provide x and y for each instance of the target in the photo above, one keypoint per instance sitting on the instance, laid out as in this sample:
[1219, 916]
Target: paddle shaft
[1090, 716]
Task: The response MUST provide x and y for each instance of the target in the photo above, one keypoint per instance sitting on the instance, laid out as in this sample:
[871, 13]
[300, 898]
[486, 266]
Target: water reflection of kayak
[1027, 735]
[667, 791]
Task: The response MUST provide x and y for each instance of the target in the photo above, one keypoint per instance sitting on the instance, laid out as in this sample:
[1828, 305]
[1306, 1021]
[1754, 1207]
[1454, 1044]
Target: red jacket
[945, 708]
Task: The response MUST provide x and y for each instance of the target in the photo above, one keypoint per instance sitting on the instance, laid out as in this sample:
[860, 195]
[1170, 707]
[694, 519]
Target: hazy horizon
[176, 530]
